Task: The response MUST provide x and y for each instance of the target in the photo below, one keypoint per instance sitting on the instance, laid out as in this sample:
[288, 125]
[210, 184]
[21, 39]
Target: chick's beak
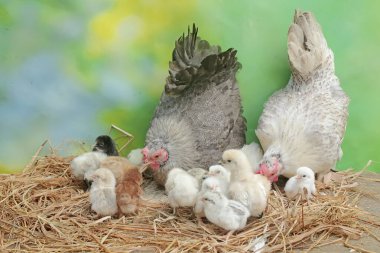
[298, 177]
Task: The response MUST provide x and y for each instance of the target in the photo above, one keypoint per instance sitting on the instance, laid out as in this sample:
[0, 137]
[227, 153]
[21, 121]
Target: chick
[136, 157]
[209, 183]
[252, 190]
[303, 180]
[86, 163]
[128, 192]
[102, 192]
[222, 175]
[90, 161]
[217, 180]
[227, 214]
[105, 144]
[254, 154]
[182, 188]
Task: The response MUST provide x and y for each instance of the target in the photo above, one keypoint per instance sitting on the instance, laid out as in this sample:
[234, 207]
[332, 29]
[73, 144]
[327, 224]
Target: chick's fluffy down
[128, 192]
[182, 188]
[86, 163]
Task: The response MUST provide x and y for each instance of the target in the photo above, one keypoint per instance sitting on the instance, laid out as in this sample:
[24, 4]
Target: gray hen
[304, 123]
[199, 114]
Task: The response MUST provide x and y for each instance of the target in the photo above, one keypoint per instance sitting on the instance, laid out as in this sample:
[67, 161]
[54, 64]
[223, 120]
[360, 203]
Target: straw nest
[45, 209]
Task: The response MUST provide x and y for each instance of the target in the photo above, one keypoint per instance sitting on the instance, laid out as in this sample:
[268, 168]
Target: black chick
[105, 144]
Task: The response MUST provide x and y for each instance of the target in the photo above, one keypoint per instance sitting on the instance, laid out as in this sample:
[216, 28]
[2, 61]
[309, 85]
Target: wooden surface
[370, 201]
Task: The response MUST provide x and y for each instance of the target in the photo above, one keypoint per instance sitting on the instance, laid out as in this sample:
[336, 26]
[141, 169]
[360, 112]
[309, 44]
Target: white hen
[252, 190]
[304, 123]
[303, 180]
[182, 188]
[254, 154]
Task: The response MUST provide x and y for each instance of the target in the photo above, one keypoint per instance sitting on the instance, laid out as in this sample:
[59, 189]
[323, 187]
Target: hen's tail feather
[307, 46]
[194, 60]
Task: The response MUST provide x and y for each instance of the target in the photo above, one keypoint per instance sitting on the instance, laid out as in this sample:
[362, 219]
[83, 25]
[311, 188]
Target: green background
[68, 69]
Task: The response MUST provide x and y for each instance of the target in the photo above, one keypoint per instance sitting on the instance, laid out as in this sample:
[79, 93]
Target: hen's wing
[194, 61]
[202, 88]
[312, 62]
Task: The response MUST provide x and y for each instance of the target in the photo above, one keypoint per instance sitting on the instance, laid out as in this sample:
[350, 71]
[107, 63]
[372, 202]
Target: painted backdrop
[68, 69]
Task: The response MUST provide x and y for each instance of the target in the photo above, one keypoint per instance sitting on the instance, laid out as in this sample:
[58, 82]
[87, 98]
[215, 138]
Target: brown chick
[128, 192]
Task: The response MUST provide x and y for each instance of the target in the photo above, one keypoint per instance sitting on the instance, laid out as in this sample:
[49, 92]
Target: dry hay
[45, 209]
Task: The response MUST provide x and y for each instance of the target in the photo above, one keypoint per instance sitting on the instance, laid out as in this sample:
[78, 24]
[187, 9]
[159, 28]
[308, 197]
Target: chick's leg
[199, 220]
[228, 236]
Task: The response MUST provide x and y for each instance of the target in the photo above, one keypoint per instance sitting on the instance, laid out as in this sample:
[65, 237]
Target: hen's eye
[156, 156]
[304, 175]
[218, 172]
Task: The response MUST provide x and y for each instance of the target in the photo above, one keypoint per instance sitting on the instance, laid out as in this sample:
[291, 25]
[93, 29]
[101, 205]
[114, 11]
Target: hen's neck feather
[177, 139]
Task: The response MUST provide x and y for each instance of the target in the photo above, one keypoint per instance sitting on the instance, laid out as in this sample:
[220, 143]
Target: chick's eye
[304, 175]
[218, 172]
[228, 161]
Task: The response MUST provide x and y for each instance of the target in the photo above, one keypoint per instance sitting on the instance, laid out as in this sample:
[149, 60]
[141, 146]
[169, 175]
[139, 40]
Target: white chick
[304, 179]
[209, 183]
[254, 154]
[252, 190]
[87, 162]
[217, 179]
[222, 175]
[227, 214]
[136, 157]
[182, 188]
[102, 192]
